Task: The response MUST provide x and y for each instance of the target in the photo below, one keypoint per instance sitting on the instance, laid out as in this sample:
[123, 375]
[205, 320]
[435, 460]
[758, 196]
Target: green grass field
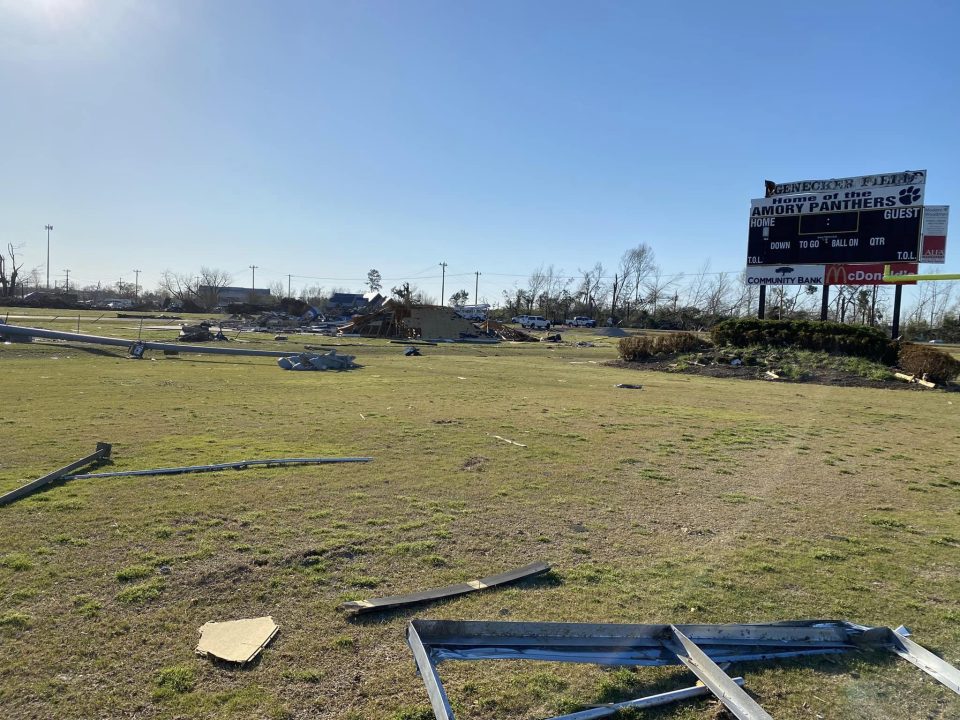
[691, 500]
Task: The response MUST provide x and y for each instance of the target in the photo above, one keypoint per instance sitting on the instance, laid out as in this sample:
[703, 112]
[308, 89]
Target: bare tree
[656, 287]
[277, 289]
[636, 265]
[181, 287]
[211, 281]
[592, 291]
[538, 281]
[9, 272]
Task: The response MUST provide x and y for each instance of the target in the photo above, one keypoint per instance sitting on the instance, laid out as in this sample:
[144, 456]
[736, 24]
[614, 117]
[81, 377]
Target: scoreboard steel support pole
[825, 303]
[897, 294]
[763, 302]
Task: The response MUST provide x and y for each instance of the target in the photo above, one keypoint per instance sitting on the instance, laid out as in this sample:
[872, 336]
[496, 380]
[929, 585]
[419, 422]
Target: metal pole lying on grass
[644, 702]
[13, 330]
[239, 465]
[102, 453]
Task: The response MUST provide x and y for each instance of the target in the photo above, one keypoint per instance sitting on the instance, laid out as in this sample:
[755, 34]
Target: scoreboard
[858, 236]
[853, 220]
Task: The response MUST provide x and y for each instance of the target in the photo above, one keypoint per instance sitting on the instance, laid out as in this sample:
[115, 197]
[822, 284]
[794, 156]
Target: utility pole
[136, 284]
[476, 289]
[288, 285]
[253, 282]
[120, 287]
[67, 271]
[443, 280]
[48, 228]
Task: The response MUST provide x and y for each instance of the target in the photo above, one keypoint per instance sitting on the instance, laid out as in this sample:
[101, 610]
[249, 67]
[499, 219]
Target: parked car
[582, 321]
[537, 322]
[519, 319]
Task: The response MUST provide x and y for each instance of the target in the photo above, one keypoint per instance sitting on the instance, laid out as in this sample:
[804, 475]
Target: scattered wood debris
[238, 641]
[771, 375]
[914, 379]
[512, 442]
[628, 386]
[356, 607]
[505, 332]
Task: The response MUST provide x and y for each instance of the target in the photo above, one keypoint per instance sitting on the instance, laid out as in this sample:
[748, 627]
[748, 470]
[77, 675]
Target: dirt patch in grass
[474, 464]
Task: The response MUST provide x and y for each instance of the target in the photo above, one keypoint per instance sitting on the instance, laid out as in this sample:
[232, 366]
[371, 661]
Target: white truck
[537, 322]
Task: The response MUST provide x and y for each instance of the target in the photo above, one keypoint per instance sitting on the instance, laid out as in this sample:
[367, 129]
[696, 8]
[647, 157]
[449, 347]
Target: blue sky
[325, 138]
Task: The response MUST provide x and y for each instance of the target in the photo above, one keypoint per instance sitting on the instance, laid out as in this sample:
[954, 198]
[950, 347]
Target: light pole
[443, 279]
[48, 228]
[476, 288]
[67, 271]
[136, 284]
[253, 282]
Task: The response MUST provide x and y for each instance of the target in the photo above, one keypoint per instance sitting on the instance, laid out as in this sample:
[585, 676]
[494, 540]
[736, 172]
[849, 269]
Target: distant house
[224, 295]
[345, 303]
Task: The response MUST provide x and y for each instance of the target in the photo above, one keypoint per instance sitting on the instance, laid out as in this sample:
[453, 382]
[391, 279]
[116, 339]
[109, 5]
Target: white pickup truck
[582, 321]
[537, 322]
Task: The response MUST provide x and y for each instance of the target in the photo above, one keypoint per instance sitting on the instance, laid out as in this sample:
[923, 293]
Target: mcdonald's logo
[835, 275]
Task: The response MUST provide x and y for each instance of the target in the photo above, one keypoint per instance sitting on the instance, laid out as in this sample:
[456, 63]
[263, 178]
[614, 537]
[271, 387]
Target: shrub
[921, 360]
[644, 347]
[831, 337]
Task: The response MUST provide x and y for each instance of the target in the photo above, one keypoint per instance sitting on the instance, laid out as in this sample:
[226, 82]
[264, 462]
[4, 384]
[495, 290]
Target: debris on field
[199, 333]
[914, 379]
[628, 386]
[411, 351]
[29, 332]
[313, 361]
[238, 641]
[395, 319]
[512, 442]
[555, 338]
[771, 375]
[356, 607]
[101, 453]
[505, 332]
[239, 465]
[703, 649]
[736, 362]
[413, 342]
[279, 337]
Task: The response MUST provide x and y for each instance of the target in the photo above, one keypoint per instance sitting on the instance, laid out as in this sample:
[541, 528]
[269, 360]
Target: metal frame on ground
[699, 647]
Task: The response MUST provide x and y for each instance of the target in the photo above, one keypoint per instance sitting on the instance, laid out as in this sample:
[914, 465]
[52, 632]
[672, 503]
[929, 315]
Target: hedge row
[856, 340]
[938, 366]
[644, 347]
